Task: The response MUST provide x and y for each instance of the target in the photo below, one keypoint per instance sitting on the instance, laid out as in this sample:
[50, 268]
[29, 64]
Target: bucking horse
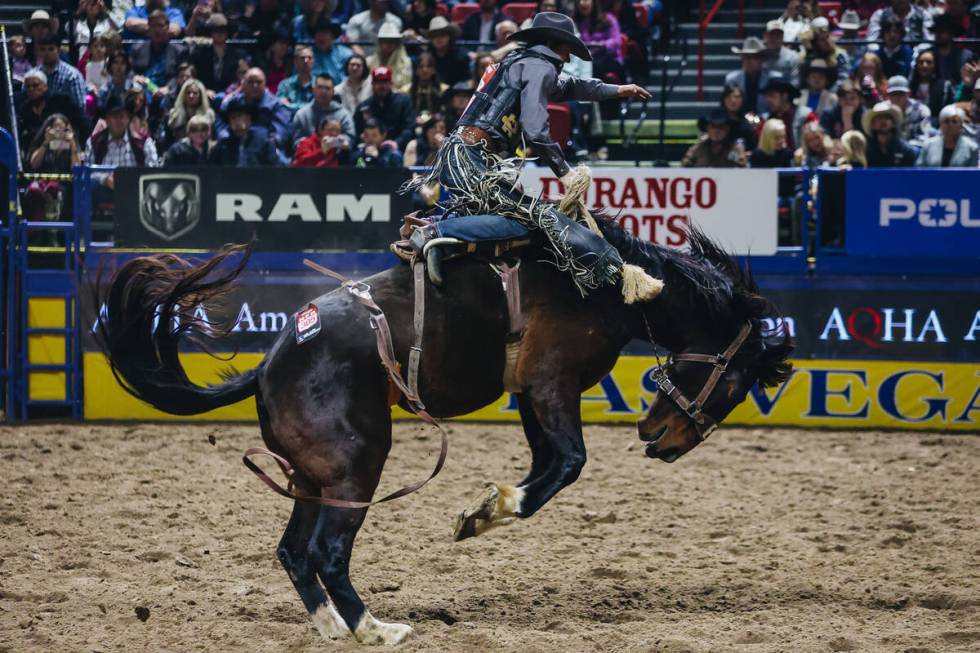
[324, 404]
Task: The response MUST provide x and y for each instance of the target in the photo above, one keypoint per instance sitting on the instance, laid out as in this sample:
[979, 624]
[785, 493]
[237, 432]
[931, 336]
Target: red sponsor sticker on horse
[307, 324]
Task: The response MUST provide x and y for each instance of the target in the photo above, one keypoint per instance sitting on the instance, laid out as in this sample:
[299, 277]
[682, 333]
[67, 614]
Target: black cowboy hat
[237, 105]
[716, 116]
[325, 24]
[947, 23]
[550, 26]
[781, 85]
[114, 104]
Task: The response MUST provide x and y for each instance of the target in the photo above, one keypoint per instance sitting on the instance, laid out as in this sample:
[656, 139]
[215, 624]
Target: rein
[379, 323]
[703, 423]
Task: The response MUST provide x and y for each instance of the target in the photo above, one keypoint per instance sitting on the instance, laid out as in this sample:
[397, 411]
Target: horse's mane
[710, 280]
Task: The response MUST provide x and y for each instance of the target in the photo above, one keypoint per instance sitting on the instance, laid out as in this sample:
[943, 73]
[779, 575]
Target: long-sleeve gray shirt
[541, 83]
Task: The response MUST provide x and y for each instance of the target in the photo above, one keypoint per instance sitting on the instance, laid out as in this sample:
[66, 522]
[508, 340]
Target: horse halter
[703, 423]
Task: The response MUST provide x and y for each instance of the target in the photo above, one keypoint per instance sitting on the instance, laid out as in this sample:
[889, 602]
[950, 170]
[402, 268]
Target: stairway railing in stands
[667, 85]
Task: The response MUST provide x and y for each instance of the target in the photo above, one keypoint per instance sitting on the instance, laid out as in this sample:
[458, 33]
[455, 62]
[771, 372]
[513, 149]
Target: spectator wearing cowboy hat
[753, 76]
[393, 110]
[452, 63]
[114, 144]
[779, 58]
[896, 58]
[886, 149]
[480, 26]
[217, 63]
[916, 117]
[918, 21]
[329, 56]
[814, 98]
[951, 148]
[819, 44]
[39, 26]
[244, 146]
[850, 23]
[716, 148]
[364, 27]
[950, 56]
[390, 52]
[779, 101]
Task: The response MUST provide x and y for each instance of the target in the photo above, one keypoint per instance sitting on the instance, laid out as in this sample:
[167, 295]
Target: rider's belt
[474, 135]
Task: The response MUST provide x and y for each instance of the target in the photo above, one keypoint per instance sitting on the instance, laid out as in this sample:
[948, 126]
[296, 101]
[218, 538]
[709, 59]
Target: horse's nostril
[653, 437]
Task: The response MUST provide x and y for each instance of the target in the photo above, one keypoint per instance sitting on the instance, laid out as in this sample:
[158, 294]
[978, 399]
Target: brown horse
[323, 404]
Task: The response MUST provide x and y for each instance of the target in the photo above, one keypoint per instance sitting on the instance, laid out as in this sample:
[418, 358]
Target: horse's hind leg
[332, 545]
[294, 554]
[293, 550]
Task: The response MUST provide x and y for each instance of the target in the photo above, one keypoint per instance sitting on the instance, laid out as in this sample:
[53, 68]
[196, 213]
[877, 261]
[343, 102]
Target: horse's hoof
[372, 632]
[329, 623]
[497, 506]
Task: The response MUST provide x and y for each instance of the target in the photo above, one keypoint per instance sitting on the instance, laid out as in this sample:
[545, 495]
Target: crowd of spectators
[892, 83]
[304, 83]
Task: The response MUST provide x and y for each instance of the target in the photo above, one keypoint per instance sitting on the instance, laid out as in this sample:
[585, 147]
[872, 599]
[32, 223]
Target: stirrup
[433, 265]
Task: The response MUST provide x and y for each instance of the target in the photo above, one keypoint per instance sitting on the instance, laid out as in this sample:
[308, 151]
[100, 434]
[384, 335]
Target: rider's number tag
[307, 324]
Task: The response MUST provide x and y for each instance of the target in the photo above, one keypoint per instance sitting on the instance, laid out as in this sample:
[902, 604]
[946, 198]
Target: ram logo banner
[293, 209]
[920, 212]
[170, 204]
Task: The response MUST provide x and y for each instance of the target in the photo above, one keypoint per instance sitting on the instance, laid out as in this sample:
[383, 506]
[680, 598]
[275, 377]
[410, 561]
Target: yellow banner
[823, 393]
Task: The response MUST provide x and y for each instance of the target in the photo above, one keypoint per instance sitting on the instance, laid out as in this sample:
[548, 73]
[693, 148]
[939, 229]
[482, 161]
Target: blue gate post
[8, 240]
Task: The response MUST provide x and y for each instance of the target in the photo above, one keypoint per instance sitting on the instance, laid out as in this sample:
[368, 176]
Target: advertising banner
[738, 208]
[919, 322]
[921, 212]
[284, 209]
[868, 323]
[821, 393]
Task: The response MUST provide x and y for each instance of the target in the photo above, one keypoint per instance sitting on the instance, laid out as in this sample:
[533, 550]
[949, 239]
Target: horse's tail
[148, 306]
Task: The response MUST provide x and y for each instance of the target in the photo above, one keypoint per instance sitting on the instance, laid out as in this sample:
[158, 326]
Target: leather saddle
[453, 236]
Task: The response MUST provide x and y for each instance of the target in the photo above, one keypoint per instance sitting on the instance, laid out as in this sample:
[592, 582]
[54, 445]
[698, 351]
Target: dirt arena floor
[153, 538]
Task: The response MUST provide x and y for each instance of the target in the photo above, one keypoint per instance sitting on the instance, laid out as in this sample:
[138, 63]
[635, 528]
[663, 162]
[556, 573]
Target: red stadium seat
[442, 9]
[520, 11]
[831, 11]
[463, 11]
[642, 14]
[560, 121]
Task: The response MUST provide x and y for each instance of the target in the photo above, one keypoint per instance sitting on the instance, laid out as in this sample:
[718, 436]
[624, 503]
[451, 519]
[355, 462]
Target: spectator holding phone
[55, 149]
[327, 147]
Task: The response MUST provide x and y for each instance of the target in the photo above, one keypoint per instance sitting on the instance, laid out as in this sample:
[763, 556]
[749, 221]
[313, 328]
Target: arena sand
[151, 538]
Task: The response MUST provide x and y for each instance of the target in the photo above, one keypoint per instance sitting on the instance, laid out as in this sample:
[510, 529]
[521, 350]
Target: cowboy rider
[509, 110]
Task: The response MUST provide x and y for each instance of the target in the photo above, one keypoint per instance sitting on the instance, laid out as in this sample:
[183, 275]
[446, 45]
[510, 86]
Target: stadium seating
[462, 11]
[560, 121]
[831, 11]
[520, 11]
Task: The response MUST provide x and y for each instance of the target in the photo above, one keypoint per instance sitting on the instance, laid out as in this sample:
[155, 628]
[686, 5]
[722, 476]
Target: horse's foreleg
[553, 426]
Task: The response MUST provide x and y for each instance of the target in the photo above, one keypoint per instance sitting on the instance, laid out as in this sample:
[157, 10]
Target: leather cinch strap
[362, 292]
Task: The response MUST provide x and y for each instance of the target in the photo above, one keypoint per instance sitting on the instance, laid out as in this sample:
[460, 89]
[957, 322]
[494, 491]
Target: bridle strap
[704, 423]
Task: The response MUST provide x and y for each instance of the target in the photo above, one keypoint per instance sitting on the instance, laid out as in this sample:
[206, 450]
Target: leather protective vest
[496, 104]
